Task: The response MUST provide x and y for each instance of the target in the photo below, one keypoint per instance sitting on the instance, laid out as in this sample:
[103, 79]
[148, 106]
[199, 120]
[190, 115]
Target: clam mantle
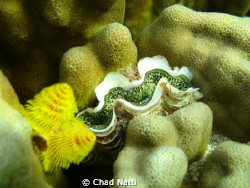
[158, 84]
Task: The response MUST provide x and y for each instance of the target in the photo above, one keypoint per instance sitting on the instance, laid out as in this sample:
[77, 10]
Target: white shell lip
[159, 62]
[146, 64]
[100, 132]
[129, 107]
[114, 79]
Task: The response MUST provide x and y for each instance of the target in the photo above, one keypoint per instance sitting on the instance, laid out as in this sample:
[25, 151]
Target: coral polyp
[59, 137]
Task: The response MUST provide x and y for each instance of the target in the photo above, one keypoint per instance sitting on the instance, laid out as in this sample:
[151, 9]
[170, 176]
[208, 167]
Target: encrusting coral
[161, 166]
[84, 67]
[139, 14]
[59, 137]
[227, 166]
[45, 30]
[157, 144]
[7, 92]
[216, 49]
[214, 46]
[235, 7]
[28, 24]
[19, 165]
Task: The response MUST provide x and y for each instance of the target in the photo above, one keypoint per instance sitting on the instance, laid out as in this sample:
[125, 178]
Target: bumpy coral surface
[139, 14]
[16, 168]
[84, 67]
[227, 166]
[235, 7]
[7, 92]
[19, 166]
[157, 166]
[46, 29]
[191, 130]
[216, 49]
[37, 33]
[214, 46]
[149, 138]
[161, 166]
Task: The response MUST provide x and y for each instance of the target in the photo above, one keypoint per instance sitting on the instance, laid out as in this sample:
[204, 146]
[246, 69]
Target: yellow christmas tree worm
[59, 137]
[68, 146]
[50, 107]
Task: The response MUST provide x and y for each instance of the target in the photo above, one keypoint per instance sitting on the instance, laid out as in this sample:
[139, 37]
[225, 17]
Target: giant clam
[160, 89]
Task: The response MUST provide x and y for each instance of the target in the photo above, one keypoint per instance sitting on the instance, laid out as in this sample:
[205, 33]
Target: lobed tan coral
[20, 166]
[227, 166]
[201, 5]
[84, 67]
[194, 125]
[186, 128]
[139, 14]
[55, 21]
[7, 92]
[235, 7]
[155, 141]
[216, 48]
[161, 166]
[37, 33]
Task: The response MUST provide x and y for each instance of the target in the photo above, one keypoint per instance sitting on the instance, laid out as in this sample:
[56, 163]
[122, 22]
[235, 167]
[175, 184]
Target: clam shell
[151, 91]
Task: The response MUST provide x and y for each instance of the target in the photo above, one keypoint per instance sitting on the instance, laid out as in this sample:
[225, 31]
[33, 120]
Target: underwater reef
[135, 93]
